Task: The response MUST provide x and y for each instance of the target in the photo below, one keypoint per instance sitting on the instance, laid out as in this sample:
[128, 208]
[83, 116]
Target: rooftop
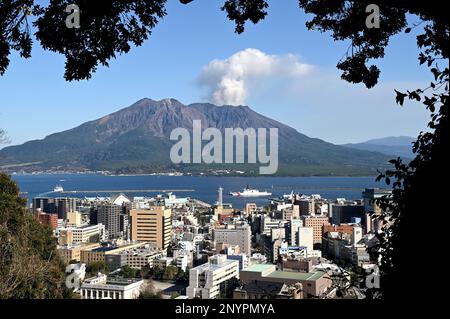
[314, 275]
[259, 267]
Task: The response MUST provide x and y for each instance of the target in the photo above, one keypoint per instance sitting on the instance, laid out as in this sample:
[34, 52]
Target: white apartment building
[306, 238]
[163, 262]
[205, 280]
[84, 234]
[182, 262]
[239, 236]
[102, 287]
[268, 223]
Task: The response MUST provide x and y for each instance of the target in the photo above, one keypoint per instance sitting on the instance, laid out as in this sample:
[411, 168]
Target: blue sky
[36, 101]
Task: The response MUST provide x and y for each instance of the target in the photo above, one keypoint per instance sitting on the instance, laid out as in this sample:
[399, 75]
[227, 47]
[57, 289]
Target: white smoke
[229, 80]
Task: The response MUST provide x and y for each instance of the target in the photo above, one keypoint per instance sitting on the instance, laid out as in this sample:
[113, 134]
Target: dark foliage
[29, 263]
[107, 28]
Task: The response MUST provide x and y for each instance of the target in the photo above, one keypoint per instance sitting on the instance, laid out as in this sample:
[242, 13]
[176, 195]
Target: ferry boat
[250, 192]
[58, 189]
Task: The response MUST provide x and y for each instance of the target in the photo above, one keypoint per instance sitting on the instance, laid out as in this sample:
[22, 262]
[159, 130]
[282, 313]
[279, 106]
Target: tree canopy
[29, 263]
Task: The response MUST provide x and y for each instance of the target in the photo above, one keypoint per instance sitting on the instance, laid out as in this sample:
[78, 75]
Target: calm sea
[204, 187]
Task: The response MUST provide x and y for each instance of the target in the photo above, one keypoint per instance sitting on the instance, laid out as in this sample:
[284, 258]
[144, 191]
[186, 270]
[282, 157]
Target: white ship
[58, 189]
[250, 192]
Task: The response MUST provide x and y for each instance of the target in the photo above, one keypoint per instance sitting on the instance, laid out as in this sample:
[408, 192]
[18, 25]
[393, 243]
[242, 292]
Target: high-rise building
[65, 205]
[306, 207]
[343, 212]
[294, 224]
[306, 238]
[250, 208]
[74, 219]
[109, 215]
[47, 219]
[45, 204]
[152, 224]
[317, 224]
[60, 205]
[371, 207]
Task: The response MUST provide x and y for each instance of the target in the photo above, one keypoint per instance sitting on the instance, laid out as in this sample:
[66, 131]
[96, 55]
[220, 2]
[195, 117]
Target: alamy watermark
[230, 148]
[75, 274]
[373, 19]
[73, 19]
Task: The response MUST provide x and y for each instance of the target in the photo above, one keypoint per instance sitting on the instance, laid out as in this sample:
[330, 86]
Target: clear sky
[36, 101]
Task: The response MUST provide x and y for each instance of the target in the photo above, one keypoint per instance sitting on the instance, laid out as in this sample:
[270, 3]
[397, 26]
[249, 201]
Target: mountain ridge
[136, 139]
[398, 146]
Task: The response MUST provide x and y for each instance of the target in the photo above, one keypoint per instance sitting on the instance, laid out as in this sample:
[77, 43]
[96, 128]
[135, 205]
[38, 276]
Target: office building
[152, 224]
[317, 224]
[235, 236]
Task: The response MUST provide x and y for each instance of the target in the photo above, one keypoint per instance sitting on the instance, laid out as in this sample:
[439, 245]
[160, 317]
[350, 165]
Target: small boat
[58, 189]
[250, 192]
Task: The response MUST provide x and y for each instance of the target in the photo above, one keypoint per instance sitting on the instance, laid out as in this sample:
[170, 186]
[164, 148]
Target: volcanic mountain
[136, 140]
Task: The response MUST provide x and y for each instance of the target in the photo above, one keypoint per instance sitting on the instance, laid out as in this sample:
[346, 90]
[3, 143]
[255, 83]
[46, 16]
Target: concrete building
[243, 260]
[103, 287]
[258, 258]
[152, 225]
[306, 206]
[182, 261]
[83, 234]
[109, 215]
[47, 219]
[235, 235]
[89, 256]
[306, 238]
[250, 208]
[314, 283]
[208, 280]
[142, 257]
[370, 197]
[317, 224]
[268, 223]
[344, 211]
[163, 262]
[342, 228]
[73, 252]
[294, 224]
[268, 290]
[74, 219]
[60, 206]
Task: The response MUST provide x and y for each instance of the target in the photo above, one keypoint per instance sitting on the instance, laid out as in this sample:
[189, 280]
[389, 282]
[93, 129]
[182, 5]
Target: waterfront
[200, 187]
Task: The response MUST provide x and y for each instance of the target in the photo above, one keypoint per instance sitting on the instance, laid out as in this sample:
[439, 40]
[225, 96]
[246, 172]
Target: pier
[124, 191]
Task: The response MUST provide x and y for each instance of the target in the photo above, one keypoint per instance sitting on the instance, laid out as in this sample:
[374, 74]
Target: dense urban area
[295, 247]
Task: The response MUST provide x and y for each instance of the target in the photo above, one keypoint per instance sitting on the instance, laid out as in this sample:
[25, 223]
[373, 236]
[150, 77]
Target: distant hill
[393, 145]
[136, 140]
